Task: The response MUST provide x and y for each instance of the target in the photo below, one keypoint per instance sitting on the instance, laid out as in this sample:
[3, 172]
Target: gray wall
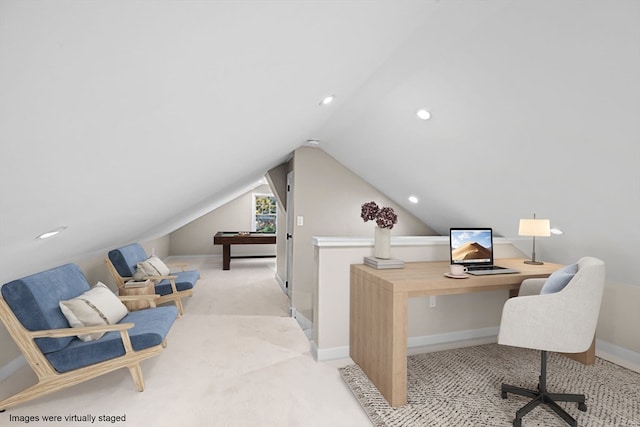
[196, 238]
[329, 196]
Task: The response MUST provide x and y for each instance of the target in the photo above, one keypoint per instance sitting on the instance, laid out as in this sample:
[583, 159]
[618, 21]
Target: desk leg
[588, 357]
[378, 337]
[226, 257]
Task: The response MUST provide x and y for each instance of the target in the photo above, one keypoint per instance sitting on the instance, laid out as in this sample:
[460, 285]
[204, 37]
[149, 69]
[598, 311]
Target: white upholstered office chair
[549, 317]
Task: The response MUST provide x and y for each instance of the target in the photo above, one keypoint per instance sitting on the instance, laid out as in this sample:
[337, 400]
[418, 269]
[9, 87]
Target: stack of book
[383, 263]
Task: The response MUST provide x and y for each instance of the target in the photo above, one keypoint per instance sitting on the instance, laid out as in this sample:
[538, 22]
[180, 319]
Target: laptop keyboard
[485, 267]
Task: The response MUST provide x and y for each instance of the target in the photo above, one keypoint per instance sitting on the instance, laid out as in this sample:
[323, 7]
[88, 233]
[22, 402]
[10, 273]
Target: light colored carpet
[234, 359]
[461, 387]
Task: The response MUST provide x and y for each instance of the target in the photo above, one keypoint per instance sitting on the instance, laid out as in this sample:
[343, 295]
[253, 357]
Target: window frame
[255, 214]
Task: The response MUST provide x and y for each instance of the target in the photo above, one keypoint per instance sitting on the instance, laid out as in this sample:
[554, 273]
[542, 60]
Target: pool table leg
[226, 257]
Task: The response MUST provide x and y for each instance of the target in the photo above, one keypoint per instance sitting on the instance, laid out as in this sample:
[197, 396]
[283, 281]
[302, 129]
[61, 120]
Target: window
[264, 213]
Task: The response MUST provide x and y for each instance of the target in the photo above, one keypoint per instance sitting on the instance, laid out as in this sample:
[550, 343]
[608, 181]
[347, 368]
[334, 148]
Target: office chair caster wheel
[517, 423]
[503, 394]
[582, 407]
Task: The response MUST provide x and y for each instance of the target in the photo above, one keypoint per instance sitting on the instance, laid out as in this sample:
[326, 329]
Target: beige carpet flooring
[233, 359]
[461, 387]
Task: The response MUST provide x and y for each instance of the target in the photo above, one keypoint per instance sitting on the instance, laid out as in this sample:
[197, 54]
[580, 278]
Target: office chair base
[542, 396]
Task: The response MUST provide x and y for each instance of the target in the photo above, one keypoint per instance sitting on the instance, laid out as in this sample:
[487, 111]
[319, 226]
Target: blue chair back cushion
[151, 328]
[126, 259]
[34, 300]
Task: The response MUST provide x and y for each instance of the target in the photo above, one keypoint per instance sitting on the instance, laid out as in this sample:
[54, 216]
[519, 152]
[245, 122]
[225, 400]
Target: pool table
[228, 238]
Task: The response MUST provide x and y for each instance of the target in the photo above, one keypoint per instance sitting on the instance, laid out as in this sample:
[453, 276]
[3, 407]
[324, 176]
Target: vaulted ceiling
[124, 120]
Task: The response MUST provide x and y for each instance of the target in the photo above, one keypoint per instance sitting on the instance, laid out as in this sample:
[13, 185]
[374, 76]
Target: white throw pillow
[97, 306]
[154, 266]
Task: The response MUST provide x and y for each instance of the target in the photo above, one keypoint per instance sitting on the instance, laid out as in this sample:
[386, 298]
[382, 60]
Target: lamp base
[534, 262]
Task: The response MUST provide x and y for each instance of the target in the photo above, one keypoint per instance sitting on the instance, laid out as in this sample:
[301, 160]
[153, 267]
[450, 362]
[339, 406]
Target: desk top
[427, 278]
[243, 238]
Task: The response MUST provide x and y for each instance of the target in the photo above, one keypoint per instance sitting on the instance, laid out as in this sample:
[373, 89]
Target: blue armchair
[31, 309]
[123, 263]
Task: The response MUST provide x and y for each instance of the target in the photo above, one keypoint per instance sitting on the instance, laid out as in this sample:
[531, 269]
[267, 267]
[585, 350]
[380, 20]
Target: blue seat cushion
[151, 328]
[184, 280]
[34, 300]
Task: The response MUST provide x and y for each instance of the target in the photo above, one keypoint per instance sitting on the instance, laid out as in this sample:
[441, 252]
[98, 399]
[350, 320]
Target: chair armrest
[67, 332]
[172, 280]
[181, 266]
[158, 278]
[70, 332]
[150, 298]
[531, 287]
[543, 322]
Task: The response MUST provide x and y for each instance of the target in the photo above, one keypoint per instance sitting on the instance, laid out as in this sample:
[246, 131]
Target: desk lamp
[534, 228]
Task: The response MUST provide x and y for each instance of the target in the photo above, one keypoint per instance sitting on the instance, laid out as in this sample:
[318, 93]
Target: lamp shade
[534, 227]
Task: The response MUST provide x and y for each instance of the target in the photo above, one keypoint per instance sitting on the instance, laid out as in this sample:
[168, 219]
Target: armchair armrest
[67, 332]
[150, 298]
[542, 322]
[181, 266]
[171, 278]
[531, 287]
[70, 332]
[159, 278]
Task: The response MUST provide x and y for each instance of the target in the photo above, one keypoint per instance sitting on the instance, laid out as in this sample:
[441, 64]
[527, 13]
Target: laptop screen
[471, 246]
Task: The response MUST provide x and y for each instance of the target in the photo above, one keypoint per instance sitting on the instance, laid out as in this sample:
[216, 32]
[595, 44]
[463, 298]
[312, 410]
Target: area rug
[461, 387]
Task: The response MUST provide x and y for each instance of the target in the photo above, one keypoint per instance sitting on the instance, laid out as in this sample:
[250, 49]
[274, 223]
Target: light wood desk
[378, 316]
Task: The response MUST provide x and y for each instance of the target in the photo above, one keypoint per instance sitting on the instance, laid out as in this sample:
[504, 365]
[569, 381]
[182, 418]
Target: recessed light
[556, 231]
[313, 141]
[328, 100]
[423, 114]
[52, 233]
[413, 199]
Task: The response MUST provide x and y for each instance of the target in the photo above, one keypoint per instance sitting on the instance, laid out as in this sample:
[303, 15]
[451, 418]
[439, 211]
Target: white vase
[382, 246]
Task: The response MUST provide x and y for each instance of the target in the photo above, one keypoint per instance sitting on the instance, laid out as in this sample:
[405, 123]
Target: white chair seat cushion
[97, 306]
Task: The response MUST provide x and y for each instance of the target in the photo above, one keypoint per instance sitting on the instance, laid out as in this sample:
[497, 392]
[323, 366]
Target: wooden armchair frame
[49, 380]
[175, 295]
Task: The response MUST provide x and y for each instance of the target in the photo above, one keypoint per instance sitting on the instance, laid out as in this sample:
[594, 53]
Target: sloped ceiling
[124, 120]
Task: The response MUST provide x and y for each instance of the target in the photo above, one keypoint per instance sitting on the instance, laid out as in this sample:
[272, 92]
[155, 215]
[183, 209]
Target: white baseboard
[304, 323]
[421, 344]
[429, 343]
[322, 355]
[620, 356]
[12, 367]
[280, 282]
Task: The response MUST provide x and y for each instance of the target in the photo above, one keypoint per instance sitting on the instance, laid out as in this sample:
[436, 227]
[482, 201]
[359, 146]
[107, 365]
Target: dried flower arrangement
[384, 217]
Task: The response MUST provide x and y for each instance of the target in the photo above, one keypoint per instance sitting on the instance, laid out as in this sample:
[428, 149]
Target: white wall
[456, 318]
[475, 315]
[196, 238]
[329, 196]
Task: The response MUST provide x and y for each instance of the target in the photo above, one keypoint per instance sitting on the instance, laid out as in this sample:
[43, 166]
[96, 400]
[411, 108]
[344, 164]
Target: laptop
[473, 248]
